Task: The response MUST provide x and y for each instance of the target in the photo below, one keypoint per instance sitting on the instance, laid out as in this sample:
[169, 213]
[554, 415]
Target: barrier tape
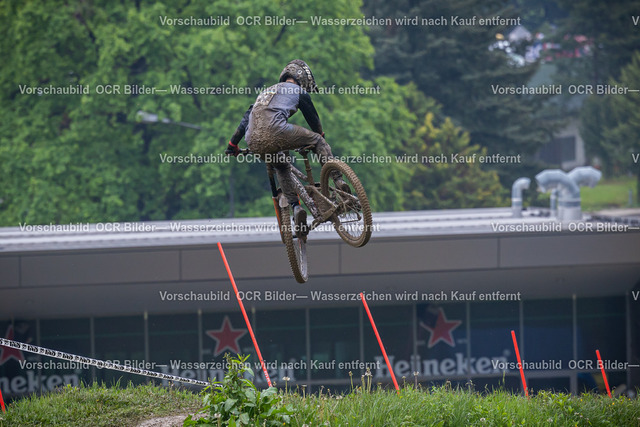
[98, 363]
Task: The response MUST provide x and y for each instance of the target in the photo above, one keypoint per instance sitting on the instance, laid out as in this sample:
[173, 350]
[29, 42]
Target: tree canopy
[87, 156]
[447, 55]
[76, 74]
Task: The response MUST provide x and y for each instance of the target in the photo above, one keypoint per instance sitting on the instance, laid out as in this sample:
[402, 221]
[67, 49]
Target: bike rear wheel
[352, 220]
[296, 248]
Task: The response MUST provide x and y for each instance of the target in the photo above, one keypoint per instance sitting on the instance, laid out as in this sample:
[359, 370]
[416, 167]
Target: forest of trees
[88, 156]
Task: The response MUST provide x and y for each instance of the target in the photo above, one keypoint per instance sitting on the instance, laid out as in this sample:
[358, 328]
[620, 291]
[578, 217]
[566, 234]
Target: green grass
[97, 405]
[442, 406]
[610, 193]
[437, 406]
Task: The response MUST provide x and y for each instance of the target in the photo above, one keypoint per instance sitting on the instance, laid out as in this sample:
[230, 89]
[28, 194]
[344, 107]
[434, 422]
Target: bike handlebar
[241, 152]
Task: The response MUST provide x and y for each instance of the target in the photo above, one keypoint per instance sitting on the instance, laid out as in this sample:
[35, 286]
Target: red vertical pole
[244, 313]
[384, 353]
[604, 374]
[524, 381]
[2, 402]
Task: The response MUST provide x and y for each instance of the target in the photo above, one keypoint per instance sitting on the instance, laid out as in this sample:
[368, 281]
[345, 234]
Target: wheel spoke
[352, 219]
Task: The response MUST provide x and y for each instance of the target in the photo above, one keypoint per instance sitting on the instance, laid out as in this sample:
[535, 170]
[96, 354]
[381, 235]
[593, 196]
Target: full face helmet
[301, 73]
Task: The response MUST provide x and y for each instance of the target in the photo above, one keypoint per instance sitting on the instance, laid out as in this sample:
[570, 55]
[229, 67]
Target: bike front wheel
[296, 248]
[352, 219]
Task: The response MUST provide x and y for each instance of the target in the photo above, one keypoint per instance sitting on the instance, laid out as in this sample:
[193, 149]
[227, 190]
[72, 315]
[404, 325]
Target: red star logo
[7, 353]
[442, 329]
[226, 337]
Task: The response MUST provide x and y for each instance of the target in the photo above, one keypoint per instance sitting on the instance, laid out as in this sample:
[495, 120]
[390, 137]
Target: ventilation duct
[567, 186]
[519, 185]
[568, 192]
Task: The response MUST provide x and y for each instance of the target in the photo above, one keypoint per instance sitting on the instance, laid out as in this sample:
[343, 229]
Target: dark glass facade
[427, 343]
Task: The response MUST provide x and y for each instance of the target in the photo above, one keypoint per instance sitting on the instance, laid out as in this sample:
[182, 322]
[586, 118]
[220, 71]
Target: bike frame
[305, 192]
[322, 208]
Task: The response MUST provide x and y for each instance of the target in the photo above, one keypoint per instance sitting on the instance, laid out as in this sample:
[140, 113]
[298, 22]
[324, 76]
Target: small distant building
[519, 34]
[566, 149]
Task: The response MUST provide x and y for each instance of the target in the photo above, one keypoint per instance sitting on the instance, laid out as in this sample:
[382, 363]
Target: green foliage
[610, 193]
[447, 406]
[626, 108]
[608, 122]
[237, 402]
[377, 125]
[536, 14]
[595, 116]
[611, 34]
[438, 181]
[453, 64]
[611, 125]
[98, 405]
[414, 406]
[87, 157]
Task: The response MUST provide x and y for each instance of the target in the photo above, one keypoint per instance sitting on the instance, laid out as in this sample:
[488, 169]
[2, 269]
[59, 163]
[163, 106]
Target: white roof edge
[52, 237]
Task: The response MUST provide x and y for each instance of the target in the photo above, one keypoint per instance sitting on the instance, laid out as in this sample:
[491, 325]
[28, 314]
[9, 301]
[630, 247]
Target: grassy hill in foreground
[439, 406]
[98, 405]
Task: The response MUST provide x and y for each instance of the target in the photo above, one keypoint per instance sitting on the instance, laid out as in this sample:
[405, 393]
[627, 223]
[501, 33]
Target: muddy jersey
[267, 131]
[267, 118]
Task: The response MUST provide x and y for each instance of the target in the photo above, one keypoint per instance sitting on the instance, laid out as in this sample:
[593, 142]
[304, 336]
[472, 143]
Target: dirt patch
[169, 421]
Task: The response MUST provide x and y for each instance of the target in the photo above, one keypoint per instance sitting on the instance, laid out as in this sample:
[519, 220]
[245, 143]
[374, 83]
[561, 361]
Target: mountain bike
[346, 208]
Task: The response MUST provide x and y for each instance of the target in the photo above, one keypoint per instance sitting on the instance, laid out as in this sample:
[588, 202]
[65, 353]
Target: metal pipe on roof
[569, 192]
[553, 203]
[518, 186]
[568, 187]
[585, 176]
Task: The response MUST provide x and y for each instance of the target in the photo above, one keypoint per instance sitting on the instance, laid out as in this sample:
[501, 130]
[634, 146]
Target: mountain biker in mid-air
[267, 131]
